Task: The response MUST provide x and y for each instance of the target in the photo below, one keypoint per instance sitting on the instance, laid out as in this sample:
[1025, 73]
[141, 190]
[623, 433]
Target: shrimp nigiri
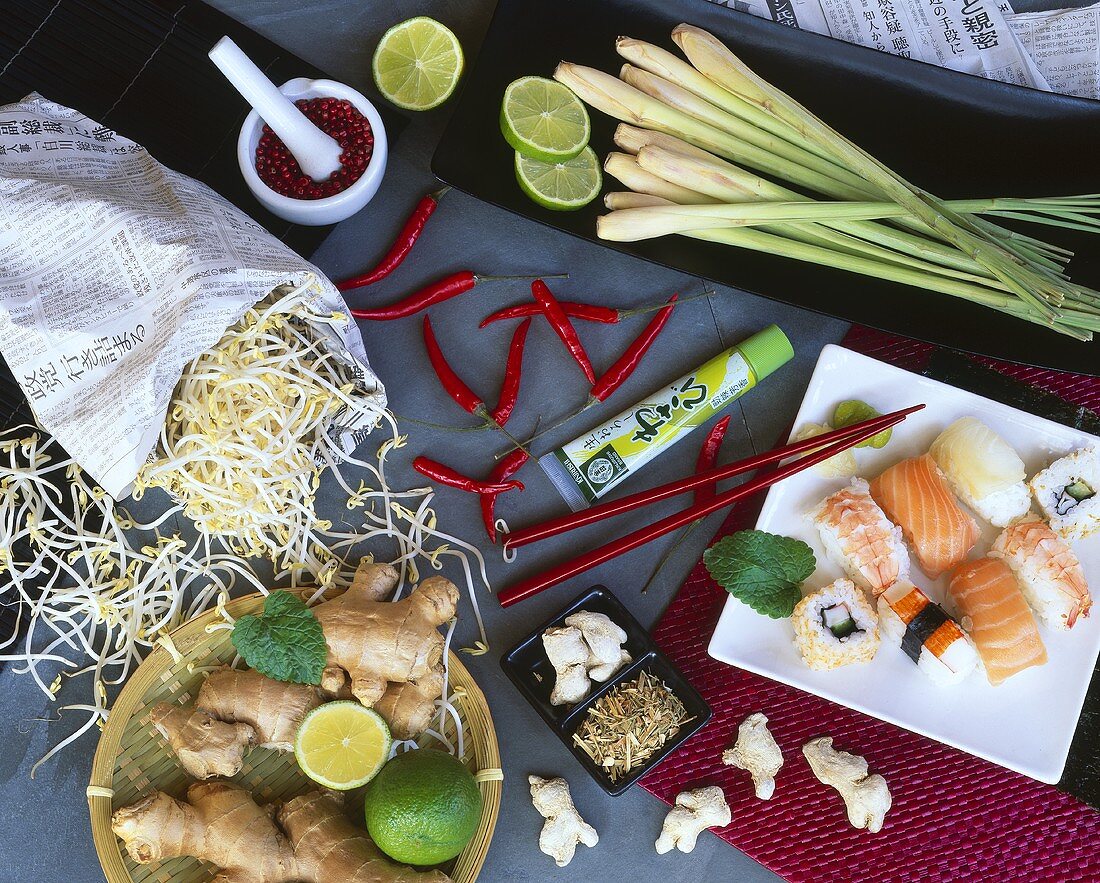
[1001, 623]
[915, 496]
[859, 537]
[1050, 575]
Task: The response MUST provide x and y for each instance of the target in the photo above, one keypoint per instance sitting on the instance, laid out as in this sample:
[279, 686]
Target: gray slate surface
[45, 832]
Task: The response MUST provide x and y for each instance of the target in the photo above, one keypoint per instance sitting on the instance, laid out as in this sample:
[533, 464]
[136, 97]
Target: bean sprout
[242, 454]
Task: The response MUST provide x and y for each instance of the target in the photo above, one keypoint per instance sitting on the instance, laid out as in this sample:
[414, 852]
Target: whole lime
[423, 807]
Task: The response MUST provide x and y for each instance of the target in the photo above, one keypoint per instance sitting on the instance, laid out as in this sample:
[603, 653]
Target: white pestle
[317, 153]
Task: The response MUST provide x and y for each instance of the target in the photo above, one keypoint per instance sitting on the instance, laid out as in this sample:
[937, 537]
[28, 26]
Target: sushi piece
[1050, 575]
[926, 634]
[914, 495]
[1000, 622]
[1068, 492]
[984, 471]
[859, 537]
[835, 626]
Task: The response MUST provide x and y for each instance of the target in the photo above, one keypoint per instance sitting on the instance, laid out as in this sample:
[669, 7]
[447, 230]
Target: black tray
[957, 135]
[529, 669]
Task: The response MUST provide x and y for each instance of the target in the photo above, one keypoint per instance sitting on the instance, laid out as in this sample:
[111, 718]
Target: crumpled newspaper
[115, 272]
[1055, 51]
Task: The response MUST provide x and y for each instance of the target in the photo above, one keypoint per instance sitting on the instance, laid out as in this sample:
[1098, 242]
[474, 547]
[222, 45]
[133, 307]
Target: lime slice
[562, 186]
[543, 119]
[418, 63]
[342, 745]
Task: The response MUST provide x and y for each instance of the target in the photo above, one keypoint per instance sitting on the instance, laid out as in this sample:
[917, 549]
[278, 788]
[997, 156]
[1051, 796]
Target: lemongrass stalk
[619, 199]
[625, 169]
[722, 180]
[623, 102]
[726, 183]
[757, 240]
[908, 236]
[647, 223]
[664, 64]
[715, 61]
[679, 98]
[631, 139]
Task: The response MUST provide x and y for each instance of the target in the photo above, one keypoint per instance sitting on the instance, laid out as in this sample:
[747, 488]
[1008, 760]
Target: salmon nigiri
[915, 496]
[1002, 625]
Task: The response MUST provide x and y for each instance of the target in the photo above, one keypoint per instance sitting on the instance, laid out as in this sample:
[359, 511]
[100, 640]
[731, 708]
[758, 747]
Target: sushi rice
[984, 470]
[926, 634]
[1068, 492]
[859, 538]
[835, 626]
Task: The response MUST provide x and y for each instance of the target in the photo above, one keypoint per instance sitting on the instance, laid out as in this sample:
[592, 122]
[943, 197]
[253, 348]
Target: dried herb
[629, 724]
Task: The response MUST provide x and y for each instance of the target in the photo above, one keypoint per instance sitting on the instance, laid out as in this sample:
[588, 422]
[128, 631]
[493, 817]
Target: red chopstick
[569, 569]
[611, 508]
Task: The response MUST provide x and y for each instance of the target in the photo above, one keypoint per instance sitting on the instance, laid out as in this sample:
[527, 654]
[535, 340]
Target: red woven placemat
[955, 817]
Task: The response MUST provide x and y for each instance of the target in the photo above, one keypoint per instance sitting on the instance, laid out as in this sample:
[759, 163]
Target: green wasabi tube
[588, 467]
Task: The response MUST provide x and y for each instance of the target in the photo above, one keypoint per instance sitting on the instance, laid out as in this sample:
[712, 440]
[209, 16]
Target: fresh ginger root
[564, 828]
[375, 642]
[234, 711]
[221, 824]
[392, 652]
[694, 812]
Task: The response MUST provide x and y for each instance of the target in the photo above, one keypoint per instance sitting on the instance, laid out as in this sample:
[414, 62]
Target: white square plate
[1026, 723]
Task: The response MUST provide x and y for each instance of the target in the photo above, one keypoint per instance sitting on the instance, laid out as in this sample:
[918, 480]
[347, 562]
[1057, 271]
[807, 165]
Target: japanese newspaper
[1065, 45]
[115, 272]
[981, 37]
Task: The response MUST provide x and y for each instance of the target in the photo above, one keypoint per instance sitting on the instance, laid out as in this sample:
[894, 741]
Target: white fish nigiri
[984, 471]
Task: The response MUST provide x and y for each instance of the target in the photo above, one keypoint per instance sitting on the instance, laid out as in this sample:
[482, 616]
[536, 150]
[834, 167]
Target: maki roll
[859, 537]
[926, 634]
[1050, 575]
[984, 470]
[835, 626]
[1068, 492]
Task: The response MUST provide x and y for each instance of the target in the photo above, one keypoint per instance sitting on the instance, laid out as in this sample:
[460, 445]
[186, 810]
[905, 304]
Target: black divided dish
[528, 668]
[957, 135]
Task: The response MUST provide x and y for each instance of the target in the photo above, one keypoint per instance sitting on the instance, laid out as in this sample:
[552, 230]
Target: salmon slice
[1004, 627]
[915, 496]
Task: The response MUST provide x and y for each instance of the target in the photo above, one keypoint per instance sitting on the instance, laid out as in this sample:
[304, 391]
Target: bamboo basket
[132, 759]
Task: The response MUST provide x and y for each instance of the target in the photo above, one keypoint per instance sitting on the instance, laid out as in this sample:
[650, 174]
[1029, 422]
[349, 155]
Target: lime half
[342, 745]
[543, 119]
[418, 63]
[562, 186]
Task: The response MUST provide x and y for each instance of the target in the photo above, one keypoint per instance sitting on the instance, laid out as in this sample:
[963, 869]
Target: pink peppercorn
[280, 171]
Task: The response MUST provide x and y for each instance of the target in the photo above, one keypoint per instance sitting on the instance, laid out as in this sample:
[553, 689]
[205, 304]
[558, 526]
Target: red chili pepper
[574, 310]
[503, 470]
[559, 321]
[430, 295]
[455, 386]
[617, 374]
[402, 245]
[513, 372]
[708, 457]
[436, 471]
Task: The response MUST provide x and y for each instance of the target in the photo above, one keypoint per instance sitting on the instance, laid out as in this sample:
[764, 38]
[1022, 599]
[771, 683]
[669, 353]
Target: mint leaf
[285, 642]
[761, 569]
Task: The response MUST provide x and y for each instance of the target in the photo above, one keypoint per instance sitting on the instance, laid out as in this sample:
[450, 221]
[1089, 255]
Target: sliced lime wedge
[543, 119]
[562, 186]
[342, 745]
[418, 63]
